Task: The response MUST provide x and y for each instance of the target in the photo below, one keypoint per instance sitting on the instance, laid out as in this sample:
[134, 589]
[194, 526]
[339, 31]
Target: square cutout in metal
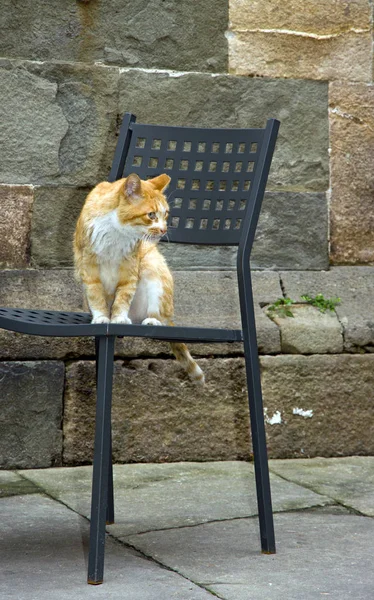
[216, 223]
[140, 143]
[209, 185]
[215, 147]
[189, 223]
[195, 184]
[206, 204]
[137, 161]
[183, 165]
[199, 165]
[172, 145]
[181, 184]
[192, 205]
[174, 222]
[169, 162]
[187, 146]
[251, 166]
[153, 162]
[156, 144]
[201, 147]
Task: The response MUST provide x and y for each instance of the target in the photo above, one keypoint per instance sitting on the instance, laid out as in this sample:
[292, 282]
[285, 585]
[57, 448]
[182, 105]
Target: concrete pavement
[189, 531]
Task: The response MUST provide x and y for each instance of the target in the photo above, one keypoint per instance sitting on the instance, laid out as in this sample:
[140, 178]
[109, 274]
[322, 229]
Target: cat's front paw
[151, 322]
[122, 319]
[100, 319]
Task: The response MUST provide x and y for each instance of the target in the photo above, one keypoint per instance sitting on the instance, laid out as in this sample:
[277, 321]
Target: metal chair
[218, 179]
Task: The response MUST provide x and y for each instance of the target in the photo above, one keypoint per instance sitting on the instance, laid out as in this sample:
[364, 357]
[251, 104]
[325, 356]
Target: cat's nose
[162, 231]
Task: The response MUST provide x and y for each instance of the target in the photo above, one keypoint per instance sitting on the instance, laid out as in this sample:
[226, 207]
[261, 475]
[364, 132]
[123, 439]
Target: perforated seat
[218, 179]
[70, 324]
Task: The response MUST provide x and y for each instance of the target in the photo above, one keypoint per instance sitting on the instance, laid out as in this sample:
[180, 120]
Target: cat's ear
[133, 187]
[161, 182]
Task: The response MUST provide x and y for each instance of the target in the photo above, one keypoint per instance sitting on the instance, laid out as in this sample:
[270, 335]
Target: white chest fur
[112, 242]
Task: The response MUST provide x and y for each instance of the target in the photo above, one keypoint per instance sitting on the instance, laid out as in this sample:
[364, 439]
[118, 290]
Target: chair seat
[74, 324]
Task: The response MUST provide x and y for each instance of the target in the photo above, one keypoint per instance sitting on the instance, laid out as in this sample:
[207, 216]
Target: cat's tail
[183, 356]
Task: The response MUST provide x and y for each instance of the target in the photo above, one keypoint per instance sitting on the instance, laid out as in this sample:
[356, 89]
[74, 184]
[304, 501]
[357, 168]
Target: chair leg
[110, 504]
[100, 476]
[256, 411]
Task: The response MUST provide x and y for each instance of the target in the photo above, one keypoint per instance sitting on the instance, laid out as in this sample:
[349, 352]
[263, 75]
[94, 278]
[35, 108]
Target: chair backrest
[218, 176]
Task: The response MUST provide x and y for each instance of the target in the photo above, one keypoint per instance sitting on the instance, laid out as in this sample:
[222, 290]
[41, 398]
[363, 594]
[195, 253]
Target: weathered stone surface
[310, 331]
[321, 17]
[30, 422]
[158, 415]
[349, 480]
[16, 204]
[201, 492]
[201, 100]
[352, 173]
[318, 555]
[338, 389]
[319, 41]
[355, 287]
[55, 214]
[12, 484]
[44, 550]
[170, 34]
[59, 122]
[211, 301]
[317, 405]
[292, 232]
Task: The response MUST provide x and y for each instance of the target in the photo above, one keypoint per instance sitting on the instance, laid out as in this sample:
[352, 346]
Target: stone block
[31, 405]
[169, 35]
[201, 100]
[16, 203]
[318, 405]
[320, 17]
[314, 406]
[314, 41]
[292, 232]
[158, 415]
[55, 214]
[59, 122]
[352, 173]
[355, 287]
[211, 301]
[310, 331]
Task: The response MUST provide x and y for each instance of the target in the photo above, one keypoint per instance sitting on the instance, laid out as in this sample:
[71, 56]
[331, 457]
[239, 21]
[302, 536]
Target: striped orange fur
[124, 276]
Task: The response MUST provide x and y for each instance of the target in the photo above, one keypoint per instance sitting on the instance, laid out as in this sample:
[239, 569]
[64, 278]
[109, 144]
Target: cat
[125, 278]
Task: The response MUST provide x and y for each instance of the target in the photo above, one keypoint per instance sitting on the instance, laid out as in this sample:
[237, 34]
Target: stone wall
[69, 69]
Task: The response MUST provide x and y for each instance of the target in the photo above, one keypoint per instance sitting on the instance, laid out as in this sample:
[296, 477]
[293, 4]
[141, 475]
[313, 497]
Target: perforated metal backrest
[213, 171]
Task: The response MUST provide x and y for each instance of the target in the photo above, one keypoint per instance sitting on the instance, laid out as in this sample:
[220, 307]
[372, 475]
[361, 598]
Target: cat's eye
[152, 215]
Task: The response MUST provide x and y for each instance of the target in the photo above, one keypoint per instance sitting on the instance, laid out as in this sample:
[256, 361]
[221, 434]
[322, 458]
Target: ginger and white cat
[125, 278]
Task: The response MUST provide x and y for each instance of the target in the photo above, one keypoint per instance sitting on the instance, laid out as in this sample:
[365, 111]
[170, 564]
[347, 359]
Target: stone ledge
[212, 300]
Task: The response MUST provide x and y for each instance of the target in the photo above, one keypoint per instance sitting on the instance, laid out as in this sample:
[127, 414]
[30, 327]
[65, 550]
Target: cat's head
[144, 205]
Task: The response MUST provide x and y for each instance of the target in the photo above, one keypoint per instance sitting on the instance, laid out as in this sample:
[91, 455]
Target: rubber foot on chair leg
[90, 582]
[109, 522]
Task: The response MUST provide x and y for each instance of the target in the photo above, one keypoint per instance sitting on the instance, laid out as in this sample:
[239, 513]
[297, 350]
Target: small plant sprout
[323, 304]
[282, 306]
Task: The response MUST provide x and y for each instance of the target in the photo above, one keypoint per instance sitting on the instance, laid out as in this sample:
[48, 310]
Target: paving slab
[348, 480]
[317, 555]
[12, 484]
[44, 549]
[162, 496]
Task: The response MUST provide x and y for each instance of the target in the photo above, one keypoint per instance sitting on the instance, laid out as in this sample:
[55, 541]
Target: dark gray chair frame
[218, 179]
